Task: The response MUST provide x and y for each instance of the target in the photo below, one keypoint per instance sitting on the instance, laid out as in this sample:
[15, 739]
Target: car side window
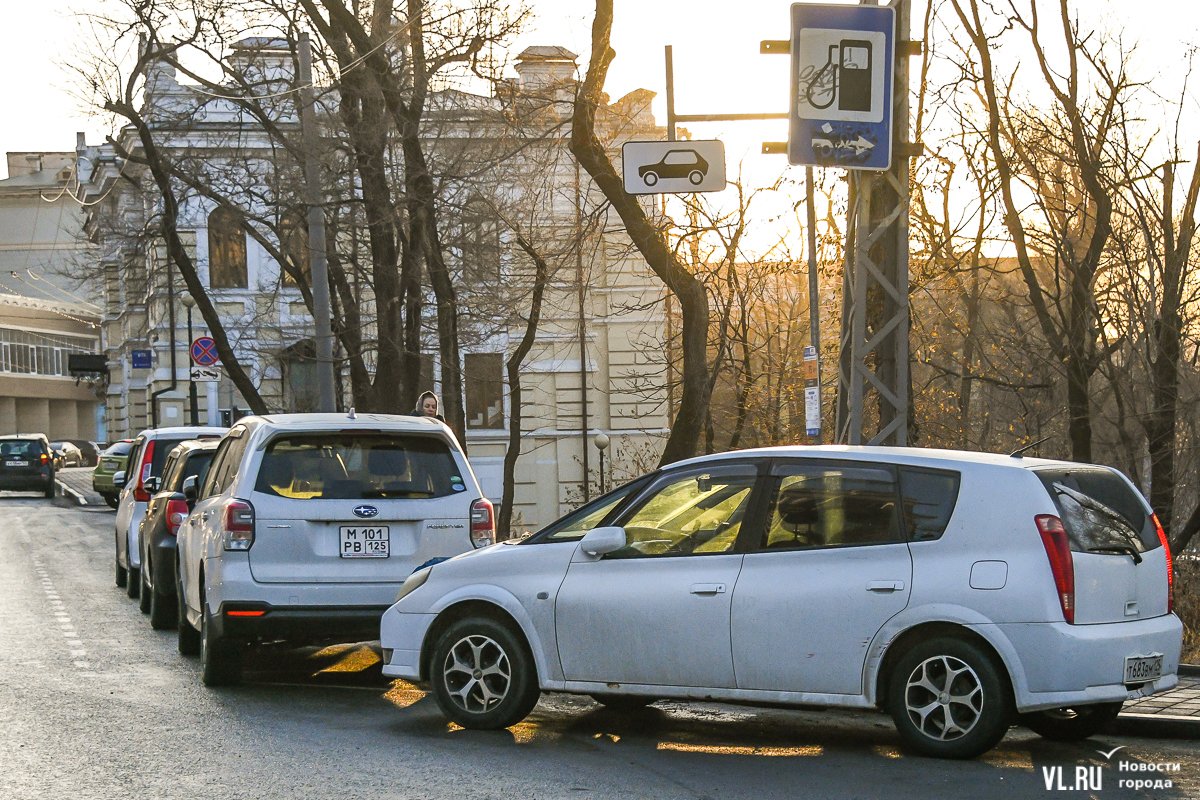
[212, 479]
[233, 461]
[832, 506]
[691, 514]
[929, 497]
[169, 471]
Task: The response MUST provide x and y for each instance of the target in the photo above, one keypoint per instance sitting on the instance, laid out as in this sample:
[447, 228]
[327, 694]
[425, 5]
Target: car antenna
[351, 413]
[1017, 453]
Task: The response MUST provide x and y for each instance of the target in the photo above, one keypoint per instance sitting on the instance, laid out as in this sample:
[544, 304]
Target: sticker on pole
[842, 75]
[673, 167]
[812, 392]
[204, 351]
[205, 374]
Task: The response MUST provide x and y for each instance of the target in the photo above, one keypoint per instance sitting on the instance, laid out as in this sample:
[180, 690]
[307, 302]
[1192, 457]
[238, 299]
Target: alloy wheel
[477, 673]
[944, 698]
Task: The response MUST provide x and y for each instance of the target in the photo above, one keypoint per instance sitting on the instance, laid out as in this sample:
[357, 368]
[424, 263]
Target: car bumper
[401, 636]
[1064, 665]
[103, 484]
[23, 483]
[261, 621]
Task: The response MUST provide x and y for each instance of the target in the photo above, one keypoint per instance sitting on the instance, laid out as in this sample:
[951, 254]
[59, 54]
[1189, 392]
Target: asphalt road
[95, 704]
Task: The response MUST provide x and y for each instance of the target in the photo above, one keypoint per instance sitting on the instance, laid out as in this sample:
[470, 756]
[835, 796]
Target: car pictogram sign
[204, 351]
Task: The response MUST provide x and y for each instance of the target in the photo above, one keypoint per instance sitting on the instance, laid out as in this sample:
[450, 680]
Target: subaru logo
[366, 512]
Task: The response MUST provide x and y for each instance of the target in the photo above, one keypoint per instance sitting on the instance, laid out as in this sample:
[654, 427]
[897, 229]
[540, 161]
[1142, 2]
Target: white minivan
[306, 525]
[960, 592]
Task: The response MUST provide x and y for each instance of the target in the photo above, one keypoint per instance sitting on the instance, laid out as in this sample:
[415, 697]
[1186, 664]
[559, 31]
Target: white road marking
[78, 651]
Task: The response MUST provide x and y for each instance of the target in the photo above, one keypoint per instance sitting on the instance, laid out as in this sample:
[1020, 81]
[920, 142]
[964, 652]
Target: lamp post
[601, 442]
[194, 413]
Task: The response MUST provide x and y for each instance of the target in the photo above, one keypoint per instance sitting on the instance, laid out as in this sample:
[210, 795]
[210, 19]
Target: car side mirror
[119, 479]
[601, 541]
[152, 484]
[189, 490]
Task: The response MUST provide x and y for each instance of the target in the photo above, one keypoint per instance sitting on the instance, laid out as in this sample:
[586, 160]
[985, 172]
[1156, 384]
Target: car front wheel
[189, 637]
[1071, 724]
[483, 675]
[144, 589]
[695, 177]
[949, 699]
[122, 573]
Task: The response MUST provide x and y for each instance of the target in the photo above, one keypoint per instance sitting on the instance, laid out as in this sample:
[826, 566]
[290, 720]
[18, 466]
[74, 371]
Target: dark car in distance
[26, 464]
[187, 464]
[683, 163]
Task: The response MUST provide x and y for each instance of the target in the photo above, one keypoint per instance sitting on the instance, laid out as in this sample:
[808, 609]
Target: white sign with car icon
[673, 167]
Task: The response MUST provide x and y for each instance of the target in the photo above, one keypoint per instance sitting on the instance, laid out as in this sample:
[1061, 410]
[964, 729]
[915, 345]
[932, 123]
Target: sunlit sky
[717, 64]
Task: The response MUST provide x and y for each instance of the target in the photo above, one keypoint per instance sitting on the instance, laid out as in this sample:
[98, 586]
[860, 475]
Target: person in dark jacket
[427, 406]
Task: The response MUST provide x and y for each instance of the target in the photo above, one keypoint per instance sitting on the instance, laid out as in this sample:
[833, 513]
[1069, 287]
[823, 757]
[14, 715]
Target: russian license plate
[363, 541]
[1139, 669]
[16, 463]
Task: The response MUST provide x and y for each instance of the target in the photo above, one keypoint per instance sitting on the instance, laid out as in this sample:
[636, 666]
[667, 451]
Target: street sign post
[843, 60]
[204, 351]
[205, 373]
[673, 167]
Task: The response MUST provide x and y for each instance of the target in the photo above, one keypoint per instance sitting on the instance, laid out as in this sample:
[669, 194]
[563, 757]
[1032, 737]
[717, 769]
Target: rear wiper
[1119, 548]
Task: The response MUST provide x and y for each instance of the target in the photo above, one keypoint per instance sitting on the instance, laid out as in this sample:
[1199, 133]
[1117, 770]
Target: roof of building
[546, 53]
[88, 313]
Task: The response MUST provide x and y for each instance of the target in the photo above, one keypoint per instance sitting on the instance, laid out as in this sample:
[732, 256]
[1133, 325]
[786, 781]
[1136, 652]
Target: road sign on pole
[673, 167]
[842, 80]
[205, 374]
[204, 351]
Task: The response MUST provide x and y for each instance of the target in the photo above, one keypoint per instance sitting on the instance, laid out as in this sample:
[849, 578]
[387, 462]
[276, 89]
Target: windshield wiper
[1119, 548]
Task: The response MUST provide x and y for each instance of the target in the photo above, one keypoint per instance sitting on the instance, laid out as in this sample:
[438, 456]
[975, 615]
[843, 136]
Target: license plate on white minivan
[357, 541]
[1139, 669]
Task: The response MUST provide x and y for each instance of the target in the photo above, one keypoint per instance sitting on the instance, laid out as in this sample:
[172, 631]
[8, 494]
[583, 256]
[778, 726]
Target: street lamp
[601, 442]
[194, 413]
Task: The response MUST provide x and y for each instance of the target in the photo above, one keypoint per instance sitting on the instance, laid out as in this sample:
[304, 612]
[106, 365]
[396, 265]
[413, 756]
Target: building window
[481, 251]
[484, 374]
[28, 353]
[226, 250]
[293, 246]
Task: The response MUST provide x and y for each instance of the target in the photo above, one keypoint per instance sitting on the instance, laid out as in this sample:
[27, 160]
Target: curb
[67, 491]
[1156, 726]
[1190, 670]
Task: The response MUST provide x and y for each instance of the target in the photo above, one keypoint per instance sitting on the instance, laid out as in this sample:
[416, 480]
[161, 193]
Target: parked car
[112, 461]
[145, 461]
[960, 592]
[66, 455]
[88, 452]
[307, 524]
[26, 464]
[165, 512]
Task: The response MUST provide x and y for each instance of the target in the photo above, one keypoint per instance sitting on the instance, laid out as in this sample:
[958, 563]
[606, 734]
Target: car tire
[49, 492]
[112, 500]
[695, 177]
[220, 659]
[1071, 724]
[650, 178]
[122, 573]
[143, 590]
[134, 584]
[472, 650]
[949, 699]
[623, 702]
[188, 637]
[162, 609]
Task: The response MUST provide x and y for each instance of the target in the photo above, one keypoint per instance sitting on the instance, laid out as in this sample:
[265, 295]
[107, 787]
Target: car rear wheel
[112, 500]
[623, 702]
[949, 699]
[220, 659]
[1071, 724]
[650, 178]
[483, 675]
[50, 492]
[189, 637]
[162, 608]
[134, 584]
[144, 590]
[122, 573]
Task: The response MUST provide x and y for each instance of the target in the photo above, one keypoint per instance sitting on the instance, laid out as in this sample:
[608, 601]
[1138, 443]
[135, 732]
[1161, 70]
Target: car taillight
[139, 493]
[239, 525]
[1162, 537]
[45, 458]
[177, 511]
[1058, 550]
[483, 523]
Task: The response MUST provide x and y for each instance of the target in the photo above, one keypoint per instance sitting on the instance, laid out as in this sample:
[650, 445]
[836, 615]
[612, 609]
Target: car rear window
[162, 449]
[21, 448]
[358, 466]
[929, 499]
[1099, 510]
[119, 449]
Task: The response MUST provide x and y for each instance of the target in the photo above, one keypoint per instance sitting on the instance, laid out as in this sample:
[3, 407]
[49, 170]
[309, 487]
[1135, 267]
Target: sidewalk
[75, 483]
[1174, 714]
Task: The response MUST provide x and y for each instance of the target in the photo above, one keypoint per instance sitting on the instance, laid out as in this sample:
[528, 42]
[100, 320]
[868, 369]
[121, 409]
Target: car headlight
[413, 582]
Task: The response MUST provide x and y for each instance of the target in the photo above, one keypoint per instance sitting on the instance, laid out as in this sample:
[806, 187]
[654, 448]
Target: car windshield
[21, 449]
[358, 466]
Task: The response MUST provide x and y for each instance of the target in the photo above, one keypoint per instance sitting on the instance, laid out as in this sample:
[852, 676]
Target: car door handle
[708, 588]
[885, 586]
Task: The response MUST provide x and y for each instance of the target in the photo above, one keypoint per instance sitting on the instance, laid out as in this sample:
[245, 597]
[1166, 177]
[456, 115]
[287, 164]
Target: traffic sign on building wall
[673, 167]
[843, 59]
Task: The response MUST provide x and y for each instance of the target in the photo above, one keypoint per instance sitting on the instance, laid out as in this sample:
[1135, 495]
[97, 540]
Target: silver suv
[306, 525]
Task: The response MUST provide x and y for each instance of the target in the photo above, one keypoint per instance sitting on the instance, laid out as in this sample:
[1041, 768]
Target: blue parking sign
[843, 60]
